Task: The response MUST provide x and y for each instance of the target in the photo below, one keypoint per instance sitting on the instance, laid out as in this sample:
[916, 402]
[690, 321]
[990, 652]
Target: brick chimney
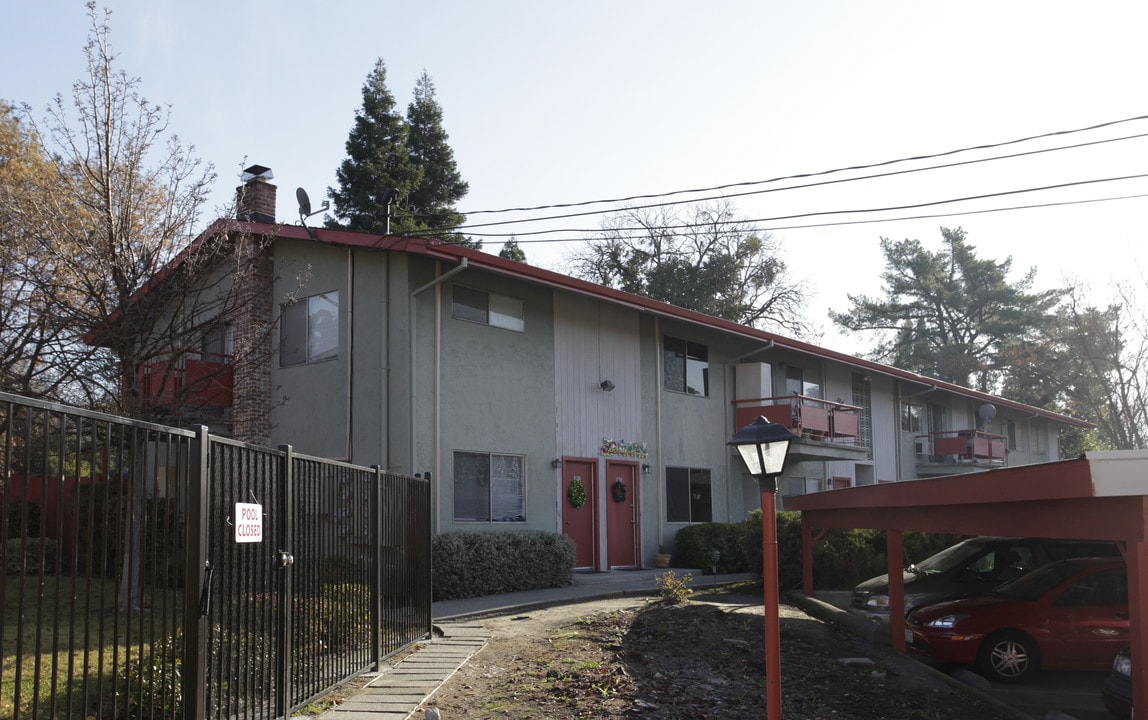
[255, 198]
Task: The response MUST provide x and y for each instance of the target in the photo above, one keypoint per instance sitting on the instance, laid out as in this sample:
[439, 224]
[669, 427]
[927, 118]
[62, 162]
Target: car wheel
[1009, 657]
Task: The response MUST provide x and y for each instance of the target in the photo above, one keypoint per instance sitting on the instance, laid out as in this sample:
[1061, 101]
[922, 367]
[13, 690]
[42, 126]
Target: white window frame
[690, 364]
[486, 308]
[502, 480]
[318, 345]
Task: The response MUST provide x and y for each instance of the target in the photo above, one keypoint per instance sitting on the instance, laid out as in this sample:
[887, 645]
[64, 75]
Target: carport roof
[1098, 496]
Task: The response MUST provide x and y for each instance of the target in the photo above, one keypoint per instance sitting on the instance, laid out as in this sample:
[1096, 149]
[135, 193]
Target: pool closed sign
[248, 523]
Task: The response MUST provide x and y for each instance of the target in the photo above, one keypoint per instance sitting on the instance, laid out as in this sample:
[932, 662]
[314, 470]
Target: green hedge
[841, 558]
[472, 564]
[23, 557]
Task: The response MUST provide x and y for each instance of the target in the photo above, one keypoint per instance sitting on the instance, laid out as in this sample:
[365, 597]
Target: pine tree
[377, 160]
[411, 155]
[511, 251]
[441, 186]
[949, 314]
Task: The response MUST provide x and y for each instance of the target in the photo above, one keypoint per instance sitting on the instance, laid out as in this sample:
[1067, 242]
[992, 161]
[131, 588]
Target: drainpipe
[350, 450]
[658, 431]
[413, 394]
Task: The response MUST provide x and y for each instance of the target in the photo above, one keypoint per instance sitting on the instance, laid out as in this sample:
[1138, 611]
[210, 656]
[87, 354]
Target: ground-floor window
[489, 487]
[689, 497]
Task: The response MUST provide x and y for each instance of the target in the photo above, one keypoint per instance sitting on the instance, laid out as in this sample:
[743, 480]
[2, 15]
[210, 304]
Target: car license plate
[908, 635]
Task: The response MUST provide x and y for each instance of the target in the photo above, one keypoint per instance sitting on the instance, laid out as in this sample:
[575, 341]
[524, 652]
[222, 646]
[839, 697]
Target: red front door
[622, 547]
[578, 522]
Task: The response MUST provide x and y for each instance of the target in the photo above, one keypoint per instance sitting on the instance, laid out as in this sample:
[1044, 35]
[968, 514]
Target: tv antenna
[305, 209]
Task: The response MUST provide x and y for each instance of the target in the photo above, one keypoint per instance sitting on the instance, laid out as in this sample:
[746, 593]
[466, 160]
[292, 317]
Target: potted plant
[662, 559]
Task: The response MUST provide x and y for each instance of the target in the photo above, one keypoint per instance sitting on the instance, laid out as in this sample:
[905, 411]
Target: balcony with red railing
[200, 380]
[952, 451]
[826, 429]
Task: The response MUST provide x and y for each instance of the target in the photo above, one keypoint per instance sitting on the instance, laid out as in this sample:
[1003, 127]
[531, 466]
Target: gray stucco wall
[496, 395]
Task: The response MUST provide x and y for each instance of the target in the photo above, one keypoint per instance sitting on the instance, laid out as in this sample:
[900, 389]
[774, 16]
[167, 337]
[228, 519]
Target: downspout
[350, 353]
[658, 431]
[385, 387]
[413, 394]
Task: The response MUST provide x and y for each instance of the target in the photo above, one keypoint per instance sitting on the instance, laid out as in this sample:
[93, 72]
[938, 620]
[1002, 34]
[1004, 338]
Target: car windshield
[949, 558]
[1037, 583]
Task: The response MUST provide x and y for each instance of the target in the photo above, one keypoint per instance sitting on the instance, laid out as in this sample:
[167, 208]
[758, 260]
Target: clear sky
[549, 102]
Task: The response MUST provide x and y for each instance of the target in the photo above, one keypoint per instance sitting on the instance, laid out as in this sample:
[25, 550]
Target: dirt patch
[704, 659]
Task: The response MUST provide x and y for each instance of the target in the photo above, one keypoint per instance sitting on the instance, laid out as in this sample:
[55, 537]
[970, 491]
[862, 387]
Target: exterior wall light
[606, 385]
[556, 463]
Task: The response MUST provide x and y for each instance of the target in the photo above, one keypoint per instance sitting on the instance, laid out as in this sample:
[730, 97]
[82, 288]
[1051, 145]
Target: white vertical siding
[595, 342]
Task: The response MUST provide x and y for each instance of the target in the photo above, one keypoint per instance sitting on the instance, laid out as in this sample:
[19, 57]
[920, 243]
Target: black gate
[153, 572]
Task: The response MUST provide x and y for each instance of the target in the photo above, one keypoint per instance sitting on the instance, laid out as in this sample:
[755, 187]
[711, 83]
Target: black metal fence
[153, 572]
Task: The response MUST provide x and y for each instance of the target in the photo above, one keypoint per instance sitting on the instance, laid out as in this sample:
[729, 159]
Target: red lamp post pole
[769, 582]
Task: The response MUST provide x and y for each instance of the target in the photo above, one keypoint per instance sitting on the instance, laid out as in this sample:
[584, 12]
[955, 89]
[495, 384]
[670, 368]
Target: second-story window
[217, 343]
[685, 366]
[309, 330]
[910, 418]
[487, 308]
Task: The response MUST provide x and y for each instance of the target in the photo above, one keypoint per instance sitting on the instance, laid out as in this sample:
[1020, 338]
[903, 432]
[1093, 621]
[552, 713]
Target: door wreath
[618, 490]
[576, 494]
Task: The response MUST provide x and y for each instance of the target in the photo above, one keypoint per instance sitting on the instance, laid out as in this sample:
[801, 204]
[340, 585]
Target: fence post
[197, 580]
[286, 602]
[377, 559]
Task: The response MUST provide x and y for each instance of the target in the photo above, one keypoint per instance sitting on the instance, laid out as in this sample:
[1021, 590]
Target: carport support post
[1136, 560]
[895, 552]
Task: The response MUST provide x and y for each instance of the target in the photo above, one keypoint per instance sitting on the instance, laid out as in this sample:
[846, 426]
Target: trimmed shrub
[474, 563]
[23, 557]
[23, 517]
[694, 546]
[841, 558]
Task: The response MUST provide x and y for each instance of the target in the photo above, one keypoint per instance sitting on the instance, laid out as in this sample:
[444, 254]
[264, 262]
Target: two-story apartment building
[508, 384]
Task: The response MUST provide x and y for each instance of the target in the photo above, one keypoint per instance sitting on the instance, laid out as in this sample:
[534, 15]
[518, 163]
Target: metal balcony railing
[808, 417]
[962, 446]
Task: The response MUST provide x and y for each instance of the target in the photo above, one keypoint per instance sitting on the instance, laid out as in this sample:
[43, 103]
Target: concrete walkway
[397, 692]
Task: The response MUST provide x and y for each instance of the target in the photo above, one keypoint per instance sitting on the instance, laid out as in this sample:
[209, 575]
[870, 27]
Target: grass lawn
[68, 651]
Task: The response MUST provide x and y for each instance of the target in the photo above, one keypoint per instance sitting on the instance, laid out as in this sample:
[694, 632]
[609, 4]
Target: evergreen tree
[511, 251]
[440, 185]
[411, 155]
[377, 161]
[949, 314]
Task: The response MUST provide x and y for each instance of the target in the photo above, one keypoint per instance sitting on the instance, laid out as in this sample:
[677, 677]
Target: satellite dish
[987, 412]
[305, 209]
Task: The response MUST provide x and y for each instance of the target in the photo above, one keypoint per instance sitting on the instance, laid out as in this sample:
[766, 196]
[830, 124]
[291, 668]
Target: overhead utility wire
[904, 218]
[891, 208]
[872, 176]
[884, 163]
[941, 215]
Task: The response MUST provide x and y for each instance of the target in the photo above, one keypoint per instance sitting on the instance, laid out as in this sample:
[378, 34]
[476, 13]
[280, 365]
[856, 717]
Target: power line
[813, 184]
[685, 226]
[801, 176]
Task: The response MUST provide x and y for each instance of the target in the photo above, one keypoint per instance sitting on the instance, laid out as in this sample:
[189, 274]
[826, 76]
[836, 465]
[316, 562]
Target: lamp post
[763, 447]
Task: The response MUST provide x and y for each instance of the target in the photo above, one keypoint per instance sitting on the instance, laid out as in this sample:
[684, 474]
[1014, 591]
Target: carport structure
[1099, 496]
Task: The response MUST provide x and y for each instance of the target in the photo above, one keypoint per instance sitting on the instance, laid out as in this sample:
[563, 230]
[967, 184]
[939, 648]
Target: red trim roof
[454, 253]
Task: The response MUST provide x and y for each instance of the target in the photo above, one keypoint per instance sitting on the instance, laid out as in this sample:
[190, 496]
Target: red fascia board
[1060, 480]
